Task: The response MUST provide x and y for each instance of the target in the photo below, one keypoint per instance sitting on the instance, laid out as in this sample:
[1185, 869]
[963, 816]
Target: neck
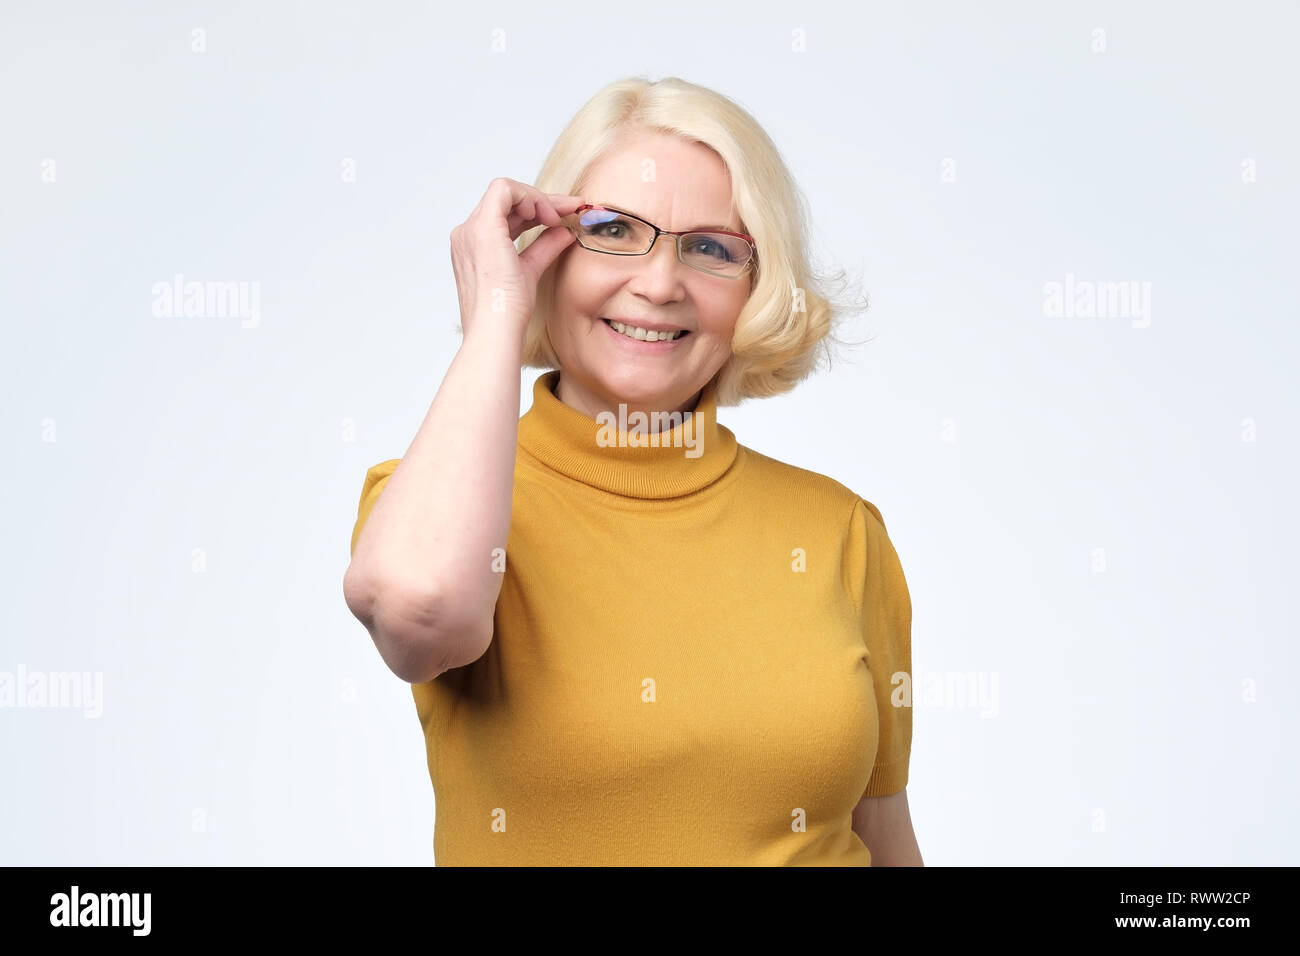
[617, 453]
[658, 412]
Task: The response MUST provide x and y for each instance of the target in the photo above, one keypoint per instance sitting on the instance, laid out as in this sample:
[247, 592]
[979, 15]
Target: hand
[492, 277]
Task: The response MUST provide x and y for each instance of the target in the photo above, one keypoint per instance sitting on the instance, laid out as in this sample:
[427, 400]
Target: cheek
[721, 322]
[581, 289]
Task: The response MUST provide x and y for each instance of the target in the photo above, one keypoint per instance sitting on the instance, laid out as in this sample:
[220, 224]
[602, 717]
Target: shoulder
[852, 523]
[812, 490]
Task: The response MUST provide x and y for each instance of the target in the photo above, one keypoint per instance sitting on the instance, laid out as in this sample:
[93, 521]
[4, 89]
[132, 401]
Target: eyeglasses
[617, 233]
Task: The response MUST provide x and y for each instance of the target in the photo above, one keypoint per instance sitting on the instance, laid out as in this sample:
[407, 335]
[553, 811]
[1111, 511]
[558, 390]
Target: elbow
[419, 641]
[419, 636]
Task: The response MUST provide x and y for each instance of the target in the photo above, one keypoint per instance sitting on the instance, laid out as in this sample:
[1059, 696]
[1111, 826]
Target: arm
[885, 826]
[421, 577]
[883, 820]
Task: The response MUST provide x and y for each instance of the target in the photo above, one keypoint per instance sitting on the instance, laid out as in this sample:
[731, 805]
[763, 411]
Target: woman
[632, 640]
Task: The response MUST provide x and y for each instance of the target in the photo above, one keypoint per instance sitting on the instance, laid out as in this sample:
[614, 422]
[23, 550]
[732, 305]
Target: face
[601, 367]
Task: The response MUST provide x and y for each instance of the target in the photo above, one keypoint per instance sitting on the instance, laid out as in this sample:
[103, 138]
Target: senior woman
[632, 640]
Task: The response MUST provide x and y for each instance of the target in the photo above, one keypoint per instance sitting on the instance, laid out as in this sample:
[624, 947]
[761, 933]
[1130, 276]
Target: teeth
[644, 335]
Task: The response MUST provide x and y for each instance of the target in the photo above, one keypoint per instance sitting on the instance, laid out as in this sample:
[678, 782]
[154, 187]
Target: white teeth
[644, 335]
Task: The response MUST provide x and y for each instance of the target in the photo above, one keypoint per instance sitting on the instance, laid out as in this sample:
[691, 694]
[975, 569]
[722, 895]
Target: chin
[628, 383]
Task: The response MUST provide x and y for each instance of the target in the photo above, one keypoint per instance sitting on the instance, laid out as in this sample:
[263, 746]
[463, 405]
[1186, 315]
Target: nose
[662, 259]
[656, 277]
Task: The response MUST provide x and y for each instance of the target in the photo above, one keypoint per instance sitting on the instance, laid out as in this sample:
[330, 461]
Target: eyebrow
[639, 216]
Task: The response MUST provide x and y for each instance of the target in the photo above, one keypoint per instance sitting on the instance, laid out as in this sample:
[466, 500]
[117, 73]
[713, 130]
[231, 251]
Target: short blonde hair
[784, 327]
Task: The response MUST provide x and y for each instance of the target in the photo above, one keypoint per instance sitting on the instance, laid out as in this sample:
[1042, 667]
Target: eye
[707, 246]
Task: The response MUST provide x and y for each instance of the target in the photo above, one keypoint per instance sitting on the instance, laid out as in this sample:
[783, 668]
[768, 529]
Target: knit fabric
[701, 657]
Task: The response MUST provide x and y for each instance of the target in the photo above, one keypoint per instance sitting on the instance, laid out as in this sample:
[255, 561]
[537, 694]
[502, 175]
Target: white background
[1145, 713]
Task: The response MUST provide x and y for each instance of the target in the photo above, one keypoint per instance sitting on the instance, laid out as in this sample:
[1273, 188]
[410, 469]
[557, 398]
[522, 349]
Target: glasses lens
[605, 230]
[608, 231]
[715, 252]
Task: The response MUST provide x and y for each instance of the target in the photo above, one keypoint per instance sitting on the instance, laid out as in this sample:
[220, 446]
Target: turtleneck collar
[601, 453]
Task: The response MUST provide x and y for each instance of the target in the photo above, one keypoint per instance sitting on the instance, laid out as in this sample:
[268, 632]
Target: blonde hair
[783, 330]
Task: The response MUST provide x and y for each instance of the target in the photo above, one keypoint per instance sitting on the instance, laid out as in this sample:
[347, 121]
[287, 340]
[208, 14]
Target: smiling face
[602, 367]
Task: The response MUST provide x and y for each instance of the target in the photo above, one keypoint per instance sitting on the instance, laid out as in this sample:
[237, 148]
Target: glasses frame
[676, 236]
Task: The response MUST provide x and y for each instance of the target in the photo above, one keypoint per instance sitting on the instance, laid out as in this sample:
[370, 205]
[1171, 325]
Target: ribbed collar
[567, 441]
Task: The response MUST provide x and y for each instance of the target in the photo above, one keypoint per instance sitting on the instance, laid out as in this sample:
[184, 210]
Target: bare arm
[422, 576]
[885, 826]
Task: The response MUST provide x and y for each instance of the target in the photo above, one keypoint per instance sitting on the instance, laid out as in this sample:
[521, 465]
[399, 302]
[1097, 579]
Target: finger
[543, 250]
[564, 205]
[523, 213]
[547, 212]
[504, 199]
[547, 209]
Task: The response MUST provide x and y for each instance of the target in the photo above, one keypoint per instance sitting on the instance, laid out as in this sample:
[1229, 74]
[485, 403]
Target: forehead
[675, 184]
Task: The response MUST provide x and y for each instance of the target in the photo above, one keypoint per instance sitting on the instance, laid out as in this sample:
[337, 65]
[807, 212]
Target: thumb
[543, 250]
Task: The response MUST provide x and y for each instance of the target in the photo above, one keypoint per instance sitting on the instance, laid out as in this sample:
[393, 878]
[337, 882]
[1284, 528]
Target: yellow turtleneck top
[698, 659]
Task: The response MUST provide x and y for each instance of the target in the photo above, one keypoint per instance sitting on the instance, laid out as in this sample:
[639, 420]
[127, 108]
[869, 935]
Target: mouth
[638, 334]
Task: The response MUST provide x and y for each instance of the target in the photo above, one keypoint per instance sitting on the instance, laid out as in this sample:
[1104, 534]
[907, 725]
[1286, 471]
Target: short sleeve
[886, 613]
[376, 478]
